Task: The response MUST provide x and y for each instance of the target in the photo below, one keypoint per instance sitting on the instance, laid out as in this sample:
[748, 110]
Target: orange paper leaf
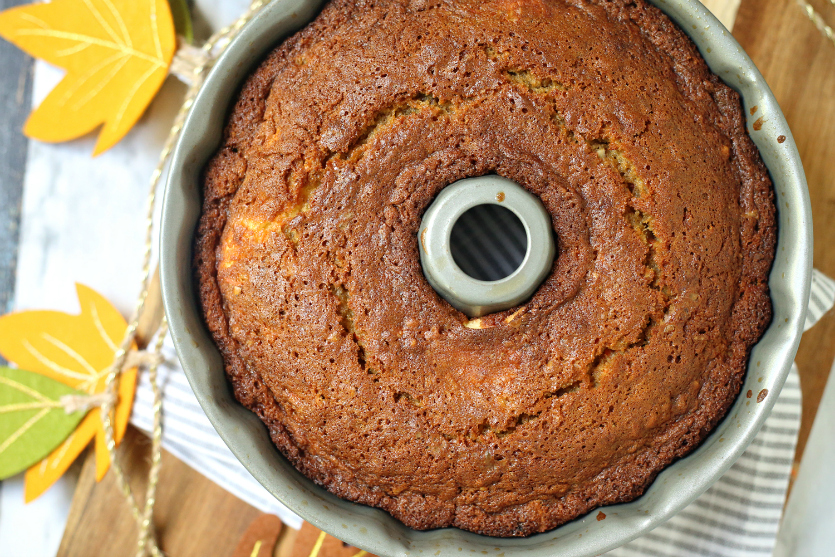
[260, 537]
[312, 542]
[116, 53]
[77, 351]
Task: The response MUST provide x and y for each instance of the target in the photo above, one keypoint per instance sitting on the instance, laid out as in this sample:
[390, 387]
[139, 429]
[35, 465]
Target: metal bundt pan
[376, 531]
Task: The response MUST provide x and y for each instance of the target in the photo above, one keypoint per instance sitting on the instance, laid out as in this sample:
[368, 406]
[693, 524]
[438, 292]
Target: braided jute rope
[83, 403]
[817, 19]
[147, 542]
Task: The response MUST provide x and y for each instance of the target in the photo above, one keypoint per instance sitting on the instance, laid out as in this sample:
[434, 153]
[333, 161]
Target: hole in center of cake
[488, 242]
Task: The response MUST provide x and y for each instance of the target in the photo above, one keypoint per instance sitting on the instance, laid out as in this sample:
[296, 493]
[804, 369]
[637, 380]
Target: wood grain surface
[798, 63]
[196, 517]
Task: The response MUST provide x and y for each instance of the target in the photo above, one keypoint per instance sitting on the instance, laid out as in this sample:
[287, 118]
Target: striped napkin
[737, 517]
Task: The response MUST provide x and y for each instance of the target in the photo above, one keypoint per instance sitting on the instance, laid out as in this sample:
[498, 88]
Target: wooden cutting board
[195, 517]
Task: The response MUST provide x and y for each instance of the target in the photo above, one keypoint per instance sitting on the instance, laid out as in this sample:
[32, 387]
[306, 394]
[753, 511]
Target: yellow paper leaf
[116, 54]
[76, 350]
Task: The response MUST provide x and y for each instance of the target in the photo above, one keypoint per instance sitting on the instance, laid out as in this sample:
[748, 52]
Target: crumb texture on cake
[623, 360]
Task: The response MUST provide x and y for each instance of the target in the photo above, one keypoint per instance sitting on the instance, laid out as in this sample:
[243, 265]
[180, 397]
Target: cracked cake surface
[372, 385]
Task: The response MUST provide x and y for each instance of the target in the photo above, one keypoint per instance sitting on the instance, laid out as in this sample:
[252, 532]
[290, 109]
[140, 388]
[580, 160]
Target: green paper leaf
[32, 420]
[182, 19]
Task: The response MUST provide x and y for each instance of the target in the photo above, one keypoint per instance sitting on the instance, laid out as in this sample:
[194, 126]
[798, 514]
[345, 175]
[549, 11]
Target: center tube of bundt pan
[486, 244]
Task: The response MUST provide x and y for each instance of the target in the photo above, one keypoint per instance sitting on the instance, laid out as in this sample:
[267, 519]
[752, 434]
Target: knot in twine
[187, 61]
[83, 403]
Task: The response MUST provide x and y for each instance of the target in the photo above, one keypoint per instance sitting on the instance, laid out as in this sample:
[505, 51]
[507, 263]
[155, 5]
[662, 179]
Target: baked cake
[375, 387]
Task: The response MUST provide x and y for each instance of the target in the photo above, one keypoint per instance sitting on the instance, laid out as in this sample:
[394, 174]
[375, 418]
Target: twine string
[817, 19]
[185, 61]
[85, 402]
[146, 527]
[82, 403]
[147, 542]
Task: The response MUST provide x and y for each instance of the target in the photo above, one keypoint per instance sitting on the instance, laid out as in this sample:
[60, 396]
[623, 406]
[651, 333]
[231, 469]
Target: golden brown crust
[624, 359]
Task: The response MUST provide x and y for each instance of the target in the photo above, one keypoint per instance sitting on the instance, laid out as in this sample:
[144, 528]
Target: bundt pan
[374, 530]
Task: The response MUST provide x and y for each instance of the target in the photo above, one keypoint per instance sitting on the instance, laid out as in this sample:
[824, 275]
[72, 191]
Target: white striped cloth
[737, 517]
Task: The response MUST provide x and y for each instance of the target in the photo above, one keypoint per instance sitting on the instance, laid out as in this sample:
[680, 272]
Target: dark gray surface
[488, 242]
[15, 99]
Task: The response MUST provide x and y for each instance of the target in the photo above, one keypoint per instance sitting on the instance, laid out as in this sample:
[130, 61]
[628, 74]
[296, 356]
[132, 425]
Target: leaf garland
[76, 350]
[116, 54]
